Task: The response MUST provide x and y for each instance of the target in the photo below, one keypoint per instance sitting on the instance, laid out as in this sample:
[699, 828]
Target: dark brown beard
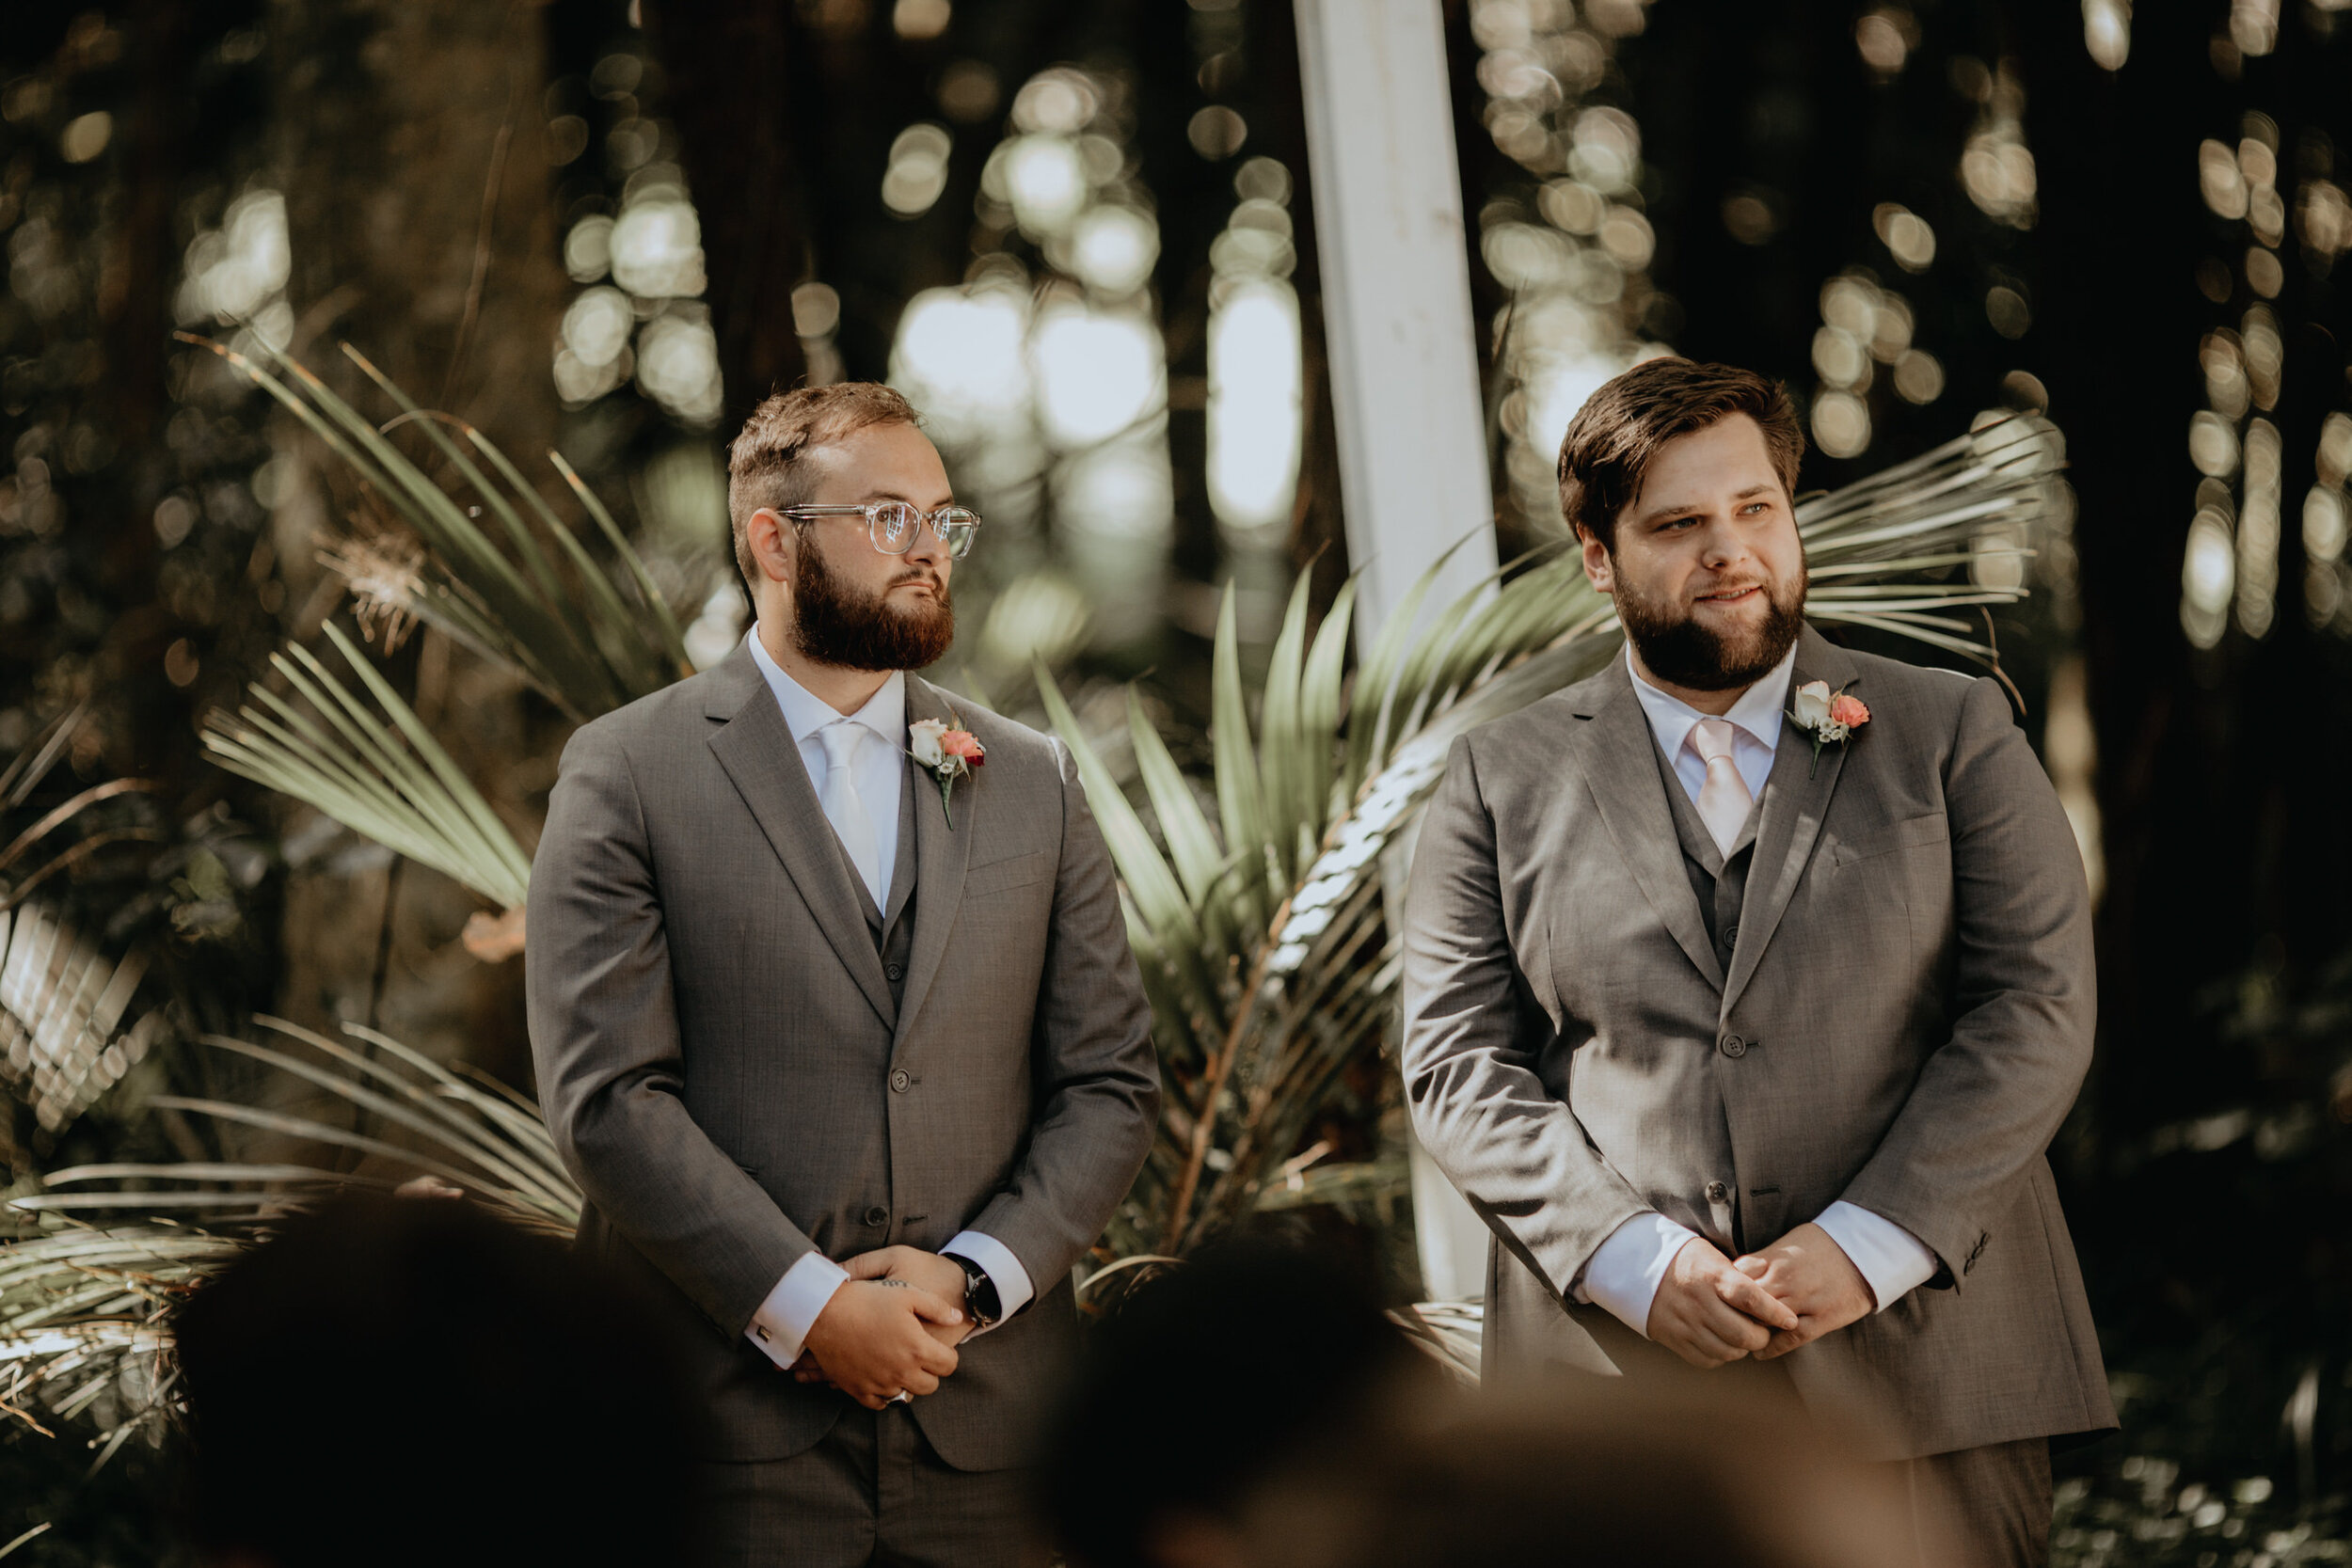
[1680, 652]
[832, 624]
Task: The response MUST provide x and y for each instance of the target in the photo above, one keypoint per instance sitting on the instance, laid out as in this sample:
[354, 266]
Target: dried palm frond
[86, 1300]
[377, 770]
[1263, 936]
[62, 1001]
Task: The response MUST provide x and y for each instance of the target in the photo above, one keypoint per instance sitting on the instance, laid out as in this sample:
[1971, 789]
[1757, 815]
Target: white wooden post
[1396, 311]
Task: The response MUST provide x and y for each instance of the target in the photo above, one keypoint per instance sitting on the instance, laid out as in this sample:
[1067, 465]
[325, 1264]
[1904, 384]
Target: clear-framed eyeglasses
[893, 525]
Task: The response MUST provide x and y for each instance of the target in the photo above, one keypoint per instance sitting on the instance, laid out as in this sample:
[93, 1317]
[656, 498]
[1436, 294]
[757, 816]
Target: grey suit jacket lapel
[1618, 755]
[943, 852]
[1796, 799]
[762, 760]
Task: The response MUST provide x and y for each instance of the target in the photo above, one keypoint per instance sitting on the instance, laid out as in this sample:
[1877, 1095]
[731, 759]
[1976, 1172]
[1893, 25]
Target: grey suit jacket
[1903, 1023]
[727, 1072]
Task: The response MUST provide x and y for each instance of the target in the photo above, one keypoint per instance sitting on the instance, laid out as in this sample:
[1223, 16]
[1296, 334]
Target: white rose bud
[923, 740]
[1811, 706]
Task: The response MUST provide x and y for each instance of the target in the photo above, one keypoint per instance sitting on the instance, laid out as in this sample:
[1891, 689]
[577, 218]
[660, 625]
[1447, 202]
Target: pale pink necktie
[1723, 798]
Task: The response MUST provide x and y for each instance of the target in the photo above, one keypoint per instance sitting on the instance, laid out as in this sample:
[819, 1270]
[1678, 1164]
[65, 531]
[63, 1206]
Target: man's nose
[928, 550]
[1722, 546]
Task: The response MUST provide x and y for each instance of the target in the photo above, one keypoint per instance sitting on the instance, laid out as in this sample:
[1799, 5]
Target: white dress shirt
[783, 1322]
[1624, 1273]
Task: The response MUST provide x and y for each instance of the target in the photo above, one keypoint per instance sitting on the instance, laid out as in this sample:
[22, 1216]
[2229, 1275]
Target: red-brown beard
[832, 624]
[1676, 649]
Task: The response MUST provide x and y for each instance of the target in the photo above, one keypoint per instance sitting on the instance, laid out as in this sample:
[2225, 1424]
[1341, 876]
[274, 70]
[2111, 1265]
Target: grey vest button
[899, 1079]
[896, 972]
[1731, 936]
[1734, 1046]
[878, 1215]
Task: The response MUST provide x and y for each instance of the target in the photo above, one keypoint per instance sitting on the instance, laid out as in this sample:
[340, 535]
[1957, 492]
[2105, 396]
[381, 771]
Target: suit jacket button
[896, 972]
[1717, 1191]
[1731, 936]
[1734, 1046]
[899, 1079]
[878, 1215]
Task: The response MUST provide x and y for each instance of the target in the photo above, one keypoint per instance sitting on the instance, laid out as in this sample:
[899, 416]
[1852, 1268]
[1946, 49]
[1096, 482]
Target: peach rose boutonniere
[1829, 717]
[948, 754]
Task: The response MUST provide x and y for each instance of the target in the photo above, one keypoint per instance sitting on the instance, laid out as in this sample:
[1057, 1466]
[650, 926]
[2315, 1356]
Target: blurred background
[1082, 237]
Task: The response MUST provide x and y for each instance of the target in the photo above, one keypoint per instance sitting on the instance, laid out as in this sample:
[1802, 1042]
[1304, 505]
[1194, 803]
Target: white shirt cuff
[784, 1319]
[1013, 1289]
[1624, 1273]
[1893, 1261]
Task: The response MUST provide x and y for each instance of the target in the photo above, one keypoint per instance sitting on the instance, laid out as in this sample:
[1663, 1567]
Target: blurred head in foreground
[1207, 1378]
[1582, 1475]
[1255, 1409]
[410, 1381]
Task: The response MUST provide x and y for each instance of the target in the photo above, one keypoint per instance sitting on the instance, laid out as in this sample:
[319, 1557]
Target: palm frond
[374, 768]
[62, 1004]
[529, 595]
[1263, 939]
[86, 1297]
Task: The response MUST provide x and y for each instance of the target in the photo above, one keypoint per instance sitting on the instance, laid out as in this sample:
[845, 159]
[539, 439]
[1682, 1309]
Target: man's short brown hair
[1614, 437]
[764, 465]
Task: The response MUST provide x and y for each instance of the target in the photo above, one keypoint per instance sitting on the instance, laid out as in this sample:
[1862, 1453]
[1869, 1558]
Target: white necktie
[844, 808]
[1723, 798]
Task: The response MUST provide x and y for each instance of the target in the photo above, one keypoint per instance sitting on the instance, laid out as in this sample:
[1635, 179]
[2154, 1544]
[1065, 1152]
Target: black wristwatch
[979, 1293]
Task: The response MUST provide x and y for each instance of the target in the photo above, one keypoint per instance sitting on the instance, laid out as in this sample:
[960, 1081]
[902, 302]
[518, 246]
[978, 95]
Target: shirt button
[1717, 1191]
[899, 1079]
[878, 1215]
[1735, 1047]
[896, 972]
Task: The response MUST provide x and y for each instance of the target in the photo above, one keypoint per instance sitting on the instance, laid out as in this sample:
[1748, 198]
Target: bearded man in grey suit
[1746, 1040]
[845, 1047]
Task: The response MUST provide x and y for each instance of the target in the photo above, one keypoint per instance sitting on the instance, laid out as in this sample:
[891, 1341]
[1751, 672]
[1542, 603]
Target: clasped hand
[1711, 1310]
[892, 1328]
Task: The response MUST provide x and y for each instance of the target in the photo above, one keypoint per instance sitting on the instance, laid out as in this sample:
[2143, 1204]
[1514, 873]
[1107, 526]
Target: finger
[870, 1265]
[934, 1357]
[931, 1309]
[1741, 1334]
[1785, 1342]
[920, 1383]
[1744, 1295]
[1753, 1266]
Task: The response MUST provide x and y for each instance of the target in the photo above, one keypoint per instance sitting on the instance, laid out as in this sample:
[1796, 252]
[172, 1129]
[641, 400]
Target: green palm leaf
[374, 768]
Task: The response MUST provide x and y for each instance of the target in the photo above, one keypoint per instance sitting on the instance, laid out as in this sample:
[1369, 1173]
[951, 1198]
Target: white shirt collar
[1758, 712]
[805, 713]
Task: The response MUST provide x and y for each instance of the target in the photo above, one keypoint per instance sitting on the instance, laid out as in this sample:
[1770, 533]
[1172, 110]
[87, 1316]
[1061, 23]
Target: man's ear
[1599, 568]
[772, 544]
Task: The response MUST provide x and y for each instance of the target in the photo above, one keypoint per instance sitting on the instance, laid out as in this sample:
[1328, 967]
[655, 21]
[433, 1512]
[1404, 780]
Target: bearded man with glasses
[836, 1021]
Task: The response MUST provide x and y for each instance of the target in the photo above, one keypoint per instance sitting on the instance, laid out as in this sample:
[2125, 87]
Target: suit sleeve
[2025, 1000]
[1471, 1034]
[604, 1036]
[1098, 1082]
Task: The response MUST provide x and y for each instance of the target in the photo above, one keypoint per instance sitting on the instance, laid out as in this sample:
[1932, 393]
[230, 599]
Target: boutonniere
[1829, 717]
[949, 754]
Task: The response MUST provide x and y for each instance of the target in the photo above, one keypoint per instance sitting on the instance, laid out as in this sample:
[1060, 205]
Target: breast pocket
[1014, 871]
[1885, 838]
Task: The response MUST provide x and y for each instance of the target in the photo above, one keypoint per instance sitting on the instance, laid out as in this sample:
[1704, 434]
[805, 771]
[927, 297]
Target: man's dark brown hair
[764, 461]
[1614, 437]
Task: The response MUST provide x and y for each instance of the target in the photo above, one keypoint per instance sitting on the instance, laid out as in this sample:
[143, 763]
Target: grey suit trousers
[873, 1490]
